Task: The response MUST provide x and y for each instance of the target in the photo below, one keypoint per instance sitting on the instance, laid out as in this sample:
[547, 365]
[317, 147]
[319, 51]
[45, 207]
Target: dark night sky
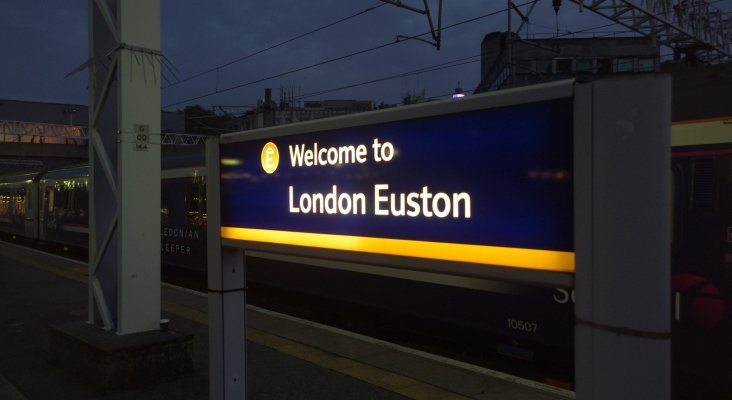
[42, 41]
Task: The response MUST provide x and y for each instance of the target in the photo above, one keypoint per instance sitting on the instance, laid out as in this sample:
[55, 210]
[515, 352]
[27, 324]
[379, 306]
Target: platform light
[230, 162]
[459, 92]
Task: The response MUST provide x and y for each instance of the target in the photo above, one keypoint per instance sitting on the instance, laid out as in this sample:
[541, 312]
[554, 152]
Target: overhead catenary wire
[274, 46]
[445, 65]
[277, 75]
[404, 74]
[438, 67]
[353, 54]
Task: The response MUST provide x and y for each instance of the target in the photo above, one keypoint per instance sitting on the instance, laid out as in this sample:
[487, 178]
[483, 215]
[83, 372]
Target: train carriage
[18, 204]
[52, 207]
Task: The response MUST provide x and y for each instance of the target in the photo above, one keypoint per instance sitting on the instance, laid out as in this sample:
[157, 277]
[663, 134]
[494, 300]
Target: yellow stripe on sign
[548, 260]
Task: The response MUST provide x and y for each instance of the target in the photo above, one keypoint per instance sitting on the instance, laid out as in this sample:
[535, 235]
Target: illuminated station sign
[466, 181]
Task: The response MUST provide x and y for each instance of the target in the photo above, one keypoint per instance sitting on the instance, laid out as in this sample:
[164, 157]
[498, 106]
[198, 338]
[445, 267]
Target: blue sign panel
[492, 185]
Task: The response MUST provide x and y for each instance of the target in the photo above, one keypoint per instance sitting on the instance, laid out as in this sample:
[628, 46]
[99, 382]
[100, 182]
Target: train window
[19, 203]
[584, 66]
[604, 65]
[543, 67]
[195, 201]
[81, 195]
[60, 198]
[564, 66]
[48, 199]
[4, 204]
[702, 185]
[646, 64]
[67, 201]
[81, 203]
[624, 64]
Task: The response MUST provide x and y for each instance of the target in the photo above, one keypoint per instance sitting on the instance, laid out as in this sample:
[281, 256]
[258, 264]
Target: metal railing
[182, 139]
[694, 25]
[42, 133]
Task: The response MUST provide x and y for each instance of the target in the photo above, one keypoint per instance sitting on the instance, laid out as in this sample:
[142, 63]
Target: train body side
[702, 251]
[183, 218]
[52, 207]
[18, 203]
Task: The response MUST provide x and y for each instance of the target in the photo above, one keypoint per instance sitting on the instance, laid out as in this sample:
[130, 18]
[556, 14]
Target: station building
[543, 60]
[698, 91]
[271, 113]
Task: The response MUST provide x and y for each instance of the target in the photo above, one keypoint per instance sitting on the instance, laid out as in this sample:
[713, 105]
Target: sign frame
[461, 274]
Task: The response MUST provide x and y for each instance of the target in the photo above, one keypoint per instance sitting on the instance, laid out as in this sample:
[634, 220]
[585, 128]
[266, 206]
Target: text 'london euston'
[421, 202]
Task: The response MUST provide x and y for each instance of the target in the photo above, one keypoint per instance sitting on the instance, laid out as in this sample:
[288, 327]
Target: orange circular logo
[270, 157]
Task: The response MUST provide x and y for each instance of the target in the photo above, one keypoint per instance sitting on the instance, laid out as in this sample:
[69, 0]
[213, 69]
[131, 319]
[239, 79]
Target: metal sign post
[226, 297]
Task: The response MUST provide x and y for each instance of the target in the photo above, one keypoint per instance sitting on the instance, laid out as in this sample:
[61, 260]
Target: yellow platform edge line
[547, 260]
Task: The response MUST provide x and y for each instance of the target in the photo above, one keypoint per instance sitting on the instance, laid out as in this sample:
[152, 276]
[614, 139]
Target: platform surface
[287, 358]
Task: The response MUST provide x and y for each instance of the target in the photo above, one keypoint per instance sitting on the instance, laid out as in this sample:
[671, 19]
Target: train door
[44, 208]
[30, 202]
[19, 210]
[726, 232]
[702, 270]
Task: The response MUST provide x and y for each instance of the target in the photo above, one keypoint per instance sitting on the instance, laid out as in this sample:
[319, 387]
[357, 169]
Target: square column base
[114, 362]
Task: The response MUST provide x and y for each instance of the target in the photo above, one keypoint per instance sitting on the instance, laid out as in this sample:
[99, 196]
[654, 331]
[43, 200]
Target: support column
[139, 166]
[128, 350]
[124, 158]
[622, 238]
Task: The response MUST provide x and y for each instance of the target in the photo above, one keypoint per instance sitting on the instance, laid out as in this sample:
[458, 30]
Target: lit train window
[48, 199]
[195, 201]
[4, 204]
[19, 203]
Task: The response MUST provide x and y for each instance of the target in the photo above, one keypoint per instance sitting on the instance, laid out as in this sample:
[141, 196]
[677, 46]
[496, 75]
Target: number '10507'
[522, 326]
